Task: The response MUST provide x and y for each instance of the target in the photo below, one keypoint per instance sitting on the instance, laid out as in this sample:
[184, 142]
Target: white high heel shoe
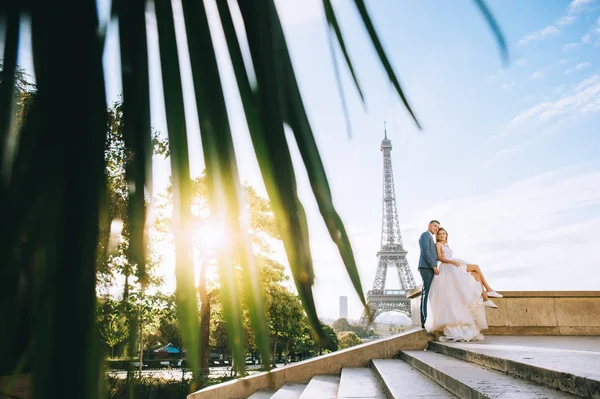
[494, 294]
[490, 304]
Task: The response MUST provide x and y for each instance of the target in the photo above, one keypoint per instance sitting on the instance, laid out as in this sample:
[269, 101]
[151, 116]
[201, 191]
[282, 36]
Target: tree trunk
[275, 350]
[287, 352]
[204, 321]
[141, 343]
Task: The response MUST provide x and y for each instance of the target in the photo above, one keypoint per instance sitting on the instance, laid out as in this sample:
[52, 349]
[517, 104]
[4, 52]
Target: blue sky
[508, 158]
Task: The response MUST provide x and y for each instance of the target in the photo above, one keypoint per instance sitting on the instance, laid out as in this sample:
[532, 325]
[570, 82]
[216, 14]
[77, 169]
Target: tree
[347, 339]
[283, 314]
[341, 325]
[168, 326]
[330, 343]
[112, 323]
[261, 229]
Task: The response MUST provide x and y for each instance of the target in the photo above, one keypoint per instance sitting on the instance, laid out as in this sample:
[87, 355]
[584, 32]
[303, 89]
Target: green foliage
[154, 388]
[330, 342]
[112, 323]
[347, 339]
[341, 325]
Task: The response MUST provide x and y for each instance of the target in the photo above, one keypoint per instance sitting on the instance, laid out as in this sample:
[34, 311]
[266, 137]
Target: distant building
[343, 307]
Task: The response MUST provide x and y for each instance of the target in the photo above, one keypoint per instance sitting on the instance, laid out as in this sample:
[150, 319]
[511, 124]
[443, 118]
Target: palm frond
[187, 305]
[68, 171]
[489, 17]
[265, 121]
[364, 14]
[335, 26]
[298, 121]
[136, 128]
[253, 291]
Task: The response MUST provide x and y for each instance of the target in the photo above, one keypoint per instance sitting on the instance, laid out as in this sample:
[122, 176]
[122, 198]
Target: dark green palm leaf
[362, 9]
[272, 150]
[187, 305]
[221, 168]
[333, 23]
[71, 162]
[9, 276]
[335, 27]
[495, 29]
[136, 128]
[298, 121]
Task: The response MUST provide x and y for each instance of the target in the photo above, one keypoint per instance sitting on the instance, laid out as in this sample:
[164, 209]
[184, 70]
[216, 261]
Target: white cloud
[508, 86]
[554, 29]
[581, 98]
[538, 74]
[540, 34]
[566, 20]
[569, 46]
[521, 62]
[593, 34]
[578, 67]
[529, 230]
[577, 4]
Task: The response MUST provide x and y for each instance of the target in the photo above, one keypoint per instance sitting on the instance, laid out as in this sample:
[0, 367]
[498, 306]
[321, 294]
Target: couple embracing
[455, 294]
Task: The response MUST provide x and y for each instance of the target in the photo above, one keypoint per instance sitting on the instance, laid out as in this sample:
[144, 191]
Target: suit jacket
[428, 257]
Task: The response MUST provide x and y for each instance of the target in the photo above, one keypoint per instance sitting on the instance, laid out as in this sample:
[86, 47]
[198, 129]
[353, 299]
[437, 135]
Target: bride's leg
[477, 276]
[476, 269]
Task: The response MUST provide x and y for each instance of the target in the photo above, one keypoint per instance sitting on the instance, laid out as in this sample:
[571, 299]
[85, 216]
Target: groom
[427, 264]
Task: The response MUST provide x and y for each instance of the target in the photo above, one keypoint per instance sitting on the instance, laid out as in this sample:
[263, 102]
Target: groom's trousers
[427, 276]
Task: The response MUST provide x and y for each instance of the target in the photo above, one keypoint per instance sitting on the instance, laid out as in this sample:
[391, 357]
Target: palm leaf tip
[489, 17]
[364, 14]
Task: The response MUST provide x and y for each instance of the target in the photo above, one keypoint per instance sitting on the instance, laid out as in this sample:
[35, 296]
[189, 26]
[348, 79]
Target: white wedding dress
[455, 305]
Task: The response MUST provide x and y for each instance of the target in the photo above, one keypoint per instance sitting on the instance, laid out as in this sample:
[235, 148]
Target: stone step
[322, 387]
[400, 380]
[569, 370]
[468, 380]
[262, 394]
[359, 383]
[291, 390]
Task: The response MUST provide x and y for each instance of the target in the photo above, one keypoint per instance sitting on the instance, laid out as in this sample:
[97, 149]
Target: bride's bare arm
[440, 256]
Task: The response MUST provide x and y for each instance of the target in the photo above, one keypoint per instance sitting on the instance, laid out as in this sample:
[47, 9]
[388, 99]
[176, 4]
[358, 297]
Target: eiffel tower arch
[391, 253]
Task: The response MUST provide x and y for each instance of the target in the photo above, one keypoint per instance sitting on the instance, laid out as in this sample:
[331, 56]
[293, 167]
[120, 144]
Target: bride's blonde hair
[440, 230]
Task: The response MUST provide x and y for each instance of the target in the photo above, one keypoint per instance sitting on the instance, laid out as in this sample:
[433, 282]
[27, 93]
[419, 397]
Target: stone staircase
[539, 344]
[500, 367]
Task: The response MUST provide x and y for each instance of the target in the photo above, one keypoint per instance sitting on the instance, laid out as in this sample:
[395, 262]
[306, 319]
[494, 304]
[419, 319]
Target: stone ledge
[416, 292]
[331, 363]
[537, 313]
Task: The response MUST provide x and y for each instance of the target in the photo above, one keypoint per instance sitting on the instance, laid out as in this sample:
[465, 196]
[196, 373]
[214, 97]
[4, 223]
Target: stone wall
[332, 363]
[537, 313]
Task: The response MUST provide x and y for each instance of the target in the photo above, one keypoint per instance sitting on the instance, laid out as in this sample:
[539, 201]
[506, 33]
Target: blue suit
[427, 261]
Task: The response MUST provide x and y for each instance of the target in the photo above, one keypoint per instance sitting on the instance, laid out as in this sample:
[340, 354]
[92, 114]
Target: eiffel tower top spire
[391, 239]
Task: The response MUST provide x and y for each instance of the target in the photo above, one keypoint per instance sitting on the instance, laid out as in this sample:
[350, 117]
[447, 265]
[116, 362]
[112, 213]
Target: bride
[456, 297]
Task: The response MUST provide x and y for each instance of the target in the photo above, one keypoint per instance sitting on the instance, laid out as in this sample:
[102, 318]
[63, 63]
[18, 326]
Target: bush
[347, 339]
[148, 364]
[154, 388]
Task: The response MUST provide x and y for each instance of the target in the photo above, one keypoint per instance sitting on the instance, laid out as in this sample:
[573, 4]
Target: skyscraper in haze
[343, 307]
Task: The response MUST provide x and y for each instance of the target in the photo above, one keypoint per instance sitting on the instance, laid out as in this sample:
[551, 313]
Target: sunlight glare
[116, 229]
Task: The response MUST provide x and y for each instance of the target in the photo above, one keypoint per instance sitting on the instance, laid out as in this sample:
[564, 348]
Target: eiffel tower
[392, 251]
